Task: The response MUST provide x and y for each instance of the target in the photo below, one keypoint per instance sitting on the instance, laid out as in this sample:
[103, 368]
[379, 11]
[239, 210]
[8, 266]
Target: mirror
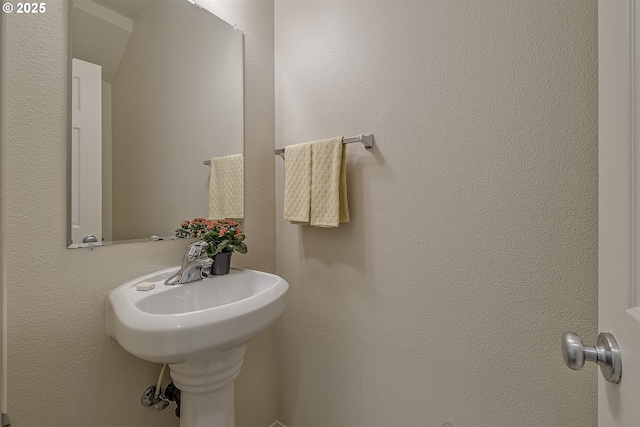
[156, 90]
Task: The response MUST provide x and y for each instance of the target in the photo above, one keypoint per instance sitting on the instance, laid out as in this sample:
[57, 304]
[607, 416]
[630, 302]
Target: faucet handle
[196, 249]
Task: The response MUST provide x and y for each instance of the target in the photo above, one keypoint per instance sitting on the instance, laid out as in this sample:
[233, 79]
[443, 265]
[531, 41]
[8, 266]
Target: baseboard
[277, 424]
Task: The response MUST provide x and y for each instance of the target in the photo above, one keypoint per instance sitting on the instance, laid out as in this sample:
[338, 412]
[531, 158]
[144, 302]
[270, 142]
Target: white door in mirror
[86, 146]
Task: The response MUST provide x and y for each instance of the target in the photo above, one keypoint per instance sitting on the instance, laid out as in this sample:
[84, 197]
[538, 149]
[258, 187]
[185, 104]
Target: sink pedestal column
[207, 389]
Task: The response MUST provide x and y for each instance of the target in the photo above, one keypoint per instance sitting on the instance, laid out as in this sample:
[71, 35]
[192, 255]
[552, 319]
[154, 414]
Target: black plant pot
[221, 263]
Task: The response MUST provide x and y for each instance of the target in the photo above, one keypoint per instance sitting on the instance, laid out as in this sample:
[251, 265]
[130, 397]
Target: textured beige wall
[63, 369]
[473, 237]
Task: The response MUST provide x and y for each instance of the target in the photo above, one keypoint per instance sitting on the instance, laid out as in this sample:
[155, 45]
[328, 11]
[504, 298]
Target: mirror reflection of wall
[171, 98]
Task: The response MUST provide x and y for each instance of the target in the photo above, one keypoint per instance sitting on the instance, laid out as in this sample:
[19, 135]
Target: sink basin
[180, 323]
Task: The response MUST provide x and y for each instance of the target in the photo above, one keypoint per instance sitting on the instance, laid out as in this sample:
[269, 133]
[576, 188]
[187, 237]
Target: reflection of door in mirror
[86, 152]
[172, 90]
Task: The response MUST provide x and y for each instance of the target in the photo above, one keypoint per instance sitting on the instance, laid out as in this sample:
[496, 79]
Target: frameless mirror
[156, 90]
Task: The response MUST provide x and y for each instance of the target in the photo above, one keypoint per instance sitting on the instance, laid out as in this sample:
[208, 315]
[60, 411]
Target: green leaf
[240, 247]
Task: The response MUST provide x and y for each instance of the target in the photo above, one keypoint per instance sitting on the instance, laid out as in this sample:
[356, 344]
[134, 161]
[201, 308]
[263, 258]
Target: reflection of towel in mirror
[316, 183]
[226, 187]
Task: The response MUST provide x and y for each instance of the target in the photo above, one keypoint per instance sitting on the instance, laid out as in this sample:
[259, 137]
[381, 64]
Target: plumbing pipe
[160, 380]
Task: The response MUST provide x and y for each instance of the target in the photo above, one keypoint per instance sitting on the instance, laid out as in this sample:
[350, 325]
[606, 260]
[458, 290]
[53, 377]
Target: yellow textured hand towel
[297, 182]
[226, 187]
[329, 204]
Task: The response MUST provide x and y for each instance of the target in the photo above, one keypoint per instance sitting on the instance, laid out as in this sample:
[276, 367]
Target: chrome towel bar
[366, 140]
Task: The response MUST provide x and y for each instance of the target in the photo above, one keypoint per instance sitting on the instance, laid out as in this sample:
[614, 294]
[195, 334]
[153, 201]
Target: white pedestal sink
[200, 329]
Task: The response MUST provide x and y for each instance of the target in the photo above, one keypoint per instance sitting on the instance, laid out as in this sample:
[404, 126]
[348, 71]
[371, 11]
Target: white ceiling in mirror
[100, 35]
[172, 97]
[127, 8]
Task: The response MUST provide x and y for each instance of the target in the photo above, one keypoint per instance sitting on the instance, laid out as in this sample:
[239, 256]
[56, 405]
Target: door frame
[619, 202]
[616, 179]
[3, 294]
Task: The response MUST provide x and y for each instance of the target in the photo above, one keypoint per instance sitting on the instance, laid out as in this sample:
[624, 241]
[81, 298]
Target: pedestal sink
[200, 329]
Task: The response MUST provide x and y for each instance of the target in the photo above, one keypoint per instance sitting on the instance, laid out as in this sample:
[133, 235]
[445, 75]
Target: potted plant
[224, 237]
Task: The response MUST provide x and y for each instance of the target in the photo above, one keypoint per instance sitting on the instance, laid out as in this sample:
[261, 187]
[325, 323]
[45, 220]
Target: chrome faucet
[194, 263]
